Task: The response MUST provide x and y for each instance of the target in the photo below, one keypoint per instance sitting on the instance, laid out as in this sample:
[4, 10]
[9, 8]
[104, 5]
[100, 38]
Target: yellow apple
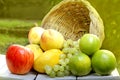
[35, 49]
[34, 35]
[51, 39]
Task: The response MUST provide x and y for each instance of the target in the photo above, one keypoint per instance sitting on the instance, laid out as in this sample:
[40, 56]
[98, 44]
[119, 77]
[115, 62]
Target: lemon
[35, 49]
[50, 57]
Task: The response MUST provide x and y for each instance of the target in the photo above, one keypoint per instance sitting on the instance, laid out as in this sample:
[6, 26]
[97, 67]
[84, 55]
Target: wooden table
[6, 75]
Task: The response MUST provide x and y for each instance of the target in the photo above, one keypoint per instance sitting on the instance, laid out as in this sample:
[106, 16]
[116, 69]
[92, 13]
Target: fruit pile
[49, 53]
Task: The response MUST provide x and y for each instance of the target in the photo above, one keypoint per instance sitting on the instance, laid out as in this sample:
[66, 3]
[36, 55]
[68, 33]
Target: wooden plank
[5, 74]
[2, 61]
[114, 76]
[45, 77]
[5, 78]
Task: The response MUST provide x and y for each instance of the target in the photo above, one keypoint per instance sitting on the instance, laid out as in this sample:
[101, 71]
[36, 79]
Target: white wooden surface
[45, 77]
[114, 76]
[6, 75]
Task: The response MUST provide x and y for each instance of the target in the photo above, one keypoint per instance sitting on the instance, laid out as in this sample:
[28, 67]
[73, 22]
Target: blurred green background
[18, 16]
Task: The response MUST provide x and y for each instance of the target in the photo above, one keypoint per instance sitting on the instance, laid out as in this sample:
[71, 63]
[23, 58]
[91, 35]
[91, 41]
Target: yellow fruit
[50, 57]
[34, 35]
[35, 49]
[51, 39]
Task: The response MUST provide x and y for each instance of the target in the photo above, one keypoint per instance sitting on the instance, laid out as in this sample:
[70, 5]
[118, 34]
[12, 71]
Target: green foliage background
[25, 9]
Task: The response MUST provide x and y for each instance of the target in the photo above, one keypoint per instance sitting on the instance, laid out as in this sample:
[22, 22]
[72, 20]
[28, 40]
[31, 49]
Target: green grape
[73, 50]
[61, 68]
[66, 60]
[62, 56]
[60, 74]
[52, 74]
[70, 51]
[56, 68]
[65, 50]
[48, 69]
[67, 67]
[69, 55]
[62, 62]
[65, 45]
[76, 45]
[70, 41]
[66, 72]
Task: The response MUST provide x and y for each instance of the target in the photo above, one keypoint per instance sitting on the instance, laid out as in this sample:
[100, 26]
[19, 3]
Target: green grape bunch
[69, 49]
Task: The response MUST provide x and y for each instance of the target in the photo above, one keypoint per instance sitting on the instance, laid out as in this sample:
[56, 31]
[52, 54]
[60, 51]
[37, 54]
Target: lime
[80, 64]
[103, 62]
[89, 43]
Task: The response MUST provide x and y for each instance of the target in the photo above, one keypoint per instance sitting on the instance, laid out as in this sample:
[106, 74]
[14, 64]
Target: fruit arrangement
[49, 53]
[68, 43]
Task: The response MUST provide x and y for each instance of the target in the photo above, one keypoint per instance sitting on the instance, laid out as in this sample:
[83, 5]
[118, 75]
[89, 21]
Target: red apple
[19, 59]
